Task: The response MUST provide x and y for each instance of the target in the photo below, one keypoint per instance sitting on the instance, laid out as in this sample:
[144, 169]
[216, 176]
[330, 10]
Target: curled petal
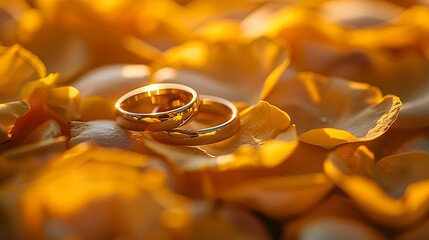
[9, 113]
[385, 190]
[312, 101]
[64, 101]
[418, 232]
[264, 130]
[17, 67]
[101, 87]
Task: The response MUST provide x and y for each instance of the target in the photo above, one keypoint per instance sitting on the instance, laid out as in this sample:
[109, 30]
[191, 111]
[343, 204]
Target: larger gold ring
[157, 107]
[211, 108]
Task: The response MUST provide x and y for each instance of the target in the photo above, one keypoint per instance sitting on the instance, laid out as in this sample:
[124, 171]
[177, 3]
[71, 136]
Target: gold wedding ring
[157, 107]
[211, 108]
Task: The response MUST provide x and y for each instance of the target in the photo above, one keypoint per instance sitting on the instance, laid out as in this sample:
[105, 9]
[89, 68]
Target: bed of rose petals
[334, 109]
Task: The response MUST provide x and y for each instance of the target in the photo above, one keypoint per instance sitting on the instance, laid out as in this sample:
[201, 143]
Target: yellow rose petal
[393, 192]
[220, 66]
[250, 147]
[332, 111]
[17, 67]
[11, 111]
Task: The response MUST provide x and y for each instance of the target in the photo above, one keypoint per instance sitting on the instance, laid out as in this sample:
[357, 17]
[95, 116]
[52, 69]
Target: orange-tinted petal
[101, 88]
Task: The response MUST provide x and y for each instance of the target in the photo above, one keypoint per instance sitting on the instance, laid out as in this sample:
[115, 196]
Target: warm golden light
[200, 119]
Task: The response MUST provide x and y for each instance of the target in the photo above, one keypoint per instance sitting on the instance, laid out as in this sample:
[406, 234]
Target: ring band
[157, 107]
[210, 105]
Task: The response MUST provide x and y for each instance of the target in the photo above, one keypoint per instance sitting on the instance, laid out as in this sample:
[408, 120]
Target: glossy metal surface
[218, 108]
[157, 107]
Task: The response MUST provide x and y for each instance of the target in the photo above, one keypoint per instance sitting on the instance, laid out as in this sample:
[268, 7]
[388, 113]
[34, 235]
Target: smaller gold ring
[210, 105]
[157, 107]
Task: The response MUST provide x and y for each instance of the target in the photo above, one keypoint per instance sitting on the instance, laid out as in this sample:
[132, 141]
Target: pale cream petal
[396, 141]
[60, 50]
[10, 112]
[105, 133]
[393, 192]
[112, 81]
[337, 228]
[313, 102]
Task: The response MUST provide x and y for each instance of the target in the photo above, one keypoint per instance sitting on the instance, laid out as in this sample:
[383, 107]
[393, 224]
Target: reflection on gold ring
[157, 107]
[210, 105]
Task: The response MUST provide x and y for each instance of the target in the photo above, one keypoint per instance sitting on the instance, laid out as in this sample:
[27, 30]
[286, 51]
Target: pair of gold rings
[164, 109]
